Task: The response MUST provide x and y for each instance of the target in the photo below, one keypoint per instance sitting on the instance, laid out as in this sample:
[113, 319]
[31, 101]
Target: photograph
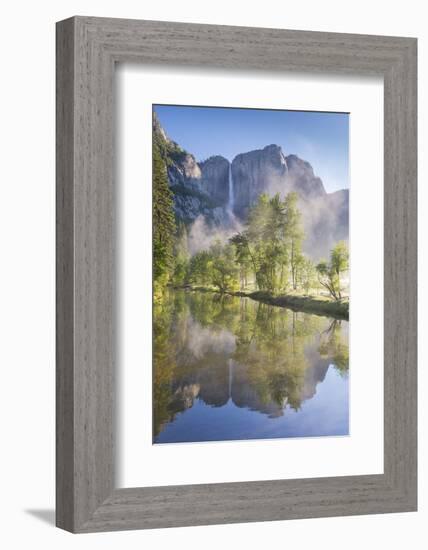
[212, 243]
[251, 273]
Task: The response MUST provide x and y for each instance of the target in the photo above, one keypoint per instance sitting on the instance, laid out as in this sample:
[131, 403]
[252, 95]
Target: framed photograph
[236, 274]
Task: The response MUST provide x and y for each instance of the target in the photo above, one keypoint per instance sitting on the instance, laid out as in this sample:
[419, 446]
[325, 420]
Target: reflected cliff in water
[232, 368]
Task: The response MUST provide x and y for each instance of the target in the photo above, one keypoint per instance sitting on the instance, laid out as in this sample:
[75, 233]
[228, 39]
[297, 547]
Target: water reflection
[233, 368]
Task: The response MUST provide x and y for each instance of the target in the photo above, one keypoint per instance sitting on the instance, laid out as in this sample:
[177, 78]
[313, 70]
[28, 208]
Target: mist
[203, 234]
[325, 217]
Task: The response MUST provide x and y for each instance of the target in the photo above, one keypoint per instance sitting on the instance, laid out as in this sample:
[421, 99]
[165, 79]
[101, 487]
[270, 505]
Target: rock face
[199, 189]
[215, 178]
[202, 191]
[158, 131]
[269, 171]
[301, 178]
[256, 172]
[184, 170]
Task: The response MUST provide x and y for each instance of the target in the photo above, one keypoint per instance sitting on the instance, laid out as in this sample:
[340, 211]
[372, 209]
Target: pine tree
[163, 224]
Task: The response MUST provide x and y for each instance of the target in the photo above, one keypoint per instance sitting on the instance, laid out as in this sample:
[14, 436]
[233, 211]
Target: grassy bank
[308, 304]
[317, 305]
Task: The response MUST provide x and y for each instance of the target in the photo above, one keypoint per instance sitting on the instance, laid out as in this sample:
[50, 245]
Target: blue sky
[320, 138]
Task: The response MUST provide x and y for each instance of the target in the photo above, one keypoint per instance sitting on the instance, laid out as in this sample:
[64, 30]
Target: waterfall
[230, 378]
[231, 198]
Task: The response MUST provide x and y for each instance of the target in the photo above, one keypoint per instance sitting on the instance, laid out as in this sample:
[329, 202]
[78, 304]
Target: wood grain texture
[64, 276]
[87, 49]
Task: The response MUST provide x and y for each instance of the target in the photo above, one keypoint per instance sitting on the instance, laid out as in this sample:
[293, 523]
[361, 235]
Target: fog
[202, 340]
[203, 234]
[325, 221]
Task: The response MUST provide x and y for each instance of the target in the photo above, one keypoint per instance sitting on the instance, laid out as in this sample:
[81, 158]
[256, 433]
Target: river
[230, 368]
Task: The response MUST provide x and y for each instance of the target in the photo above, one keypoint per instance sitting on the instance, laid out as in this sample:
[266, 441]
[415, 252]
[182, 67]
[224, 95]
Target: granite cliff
[219, 194]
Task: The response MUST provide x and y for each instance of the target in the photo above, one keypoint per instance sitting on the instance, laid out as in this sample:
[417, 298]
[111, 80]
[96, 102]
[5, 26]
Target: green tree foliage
[272, 366]
[164, 229]
[224, 270]
[200, 268]
[168, 149]
[181, 256]
[294, 235]
[330, 273]
[215, 267]
[334, 344]
[266, 255]
[268, 251]
[271, 244]
[307, 274]
[339, 260]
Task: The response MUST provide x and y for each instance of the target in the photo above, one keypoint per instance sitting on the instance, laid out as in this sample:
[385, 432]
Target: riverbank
[306, 304]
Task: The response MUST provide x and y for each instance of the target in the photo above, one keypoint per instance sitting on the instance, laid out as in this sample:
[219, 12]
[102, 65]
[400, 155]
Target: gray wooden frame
[87, 50]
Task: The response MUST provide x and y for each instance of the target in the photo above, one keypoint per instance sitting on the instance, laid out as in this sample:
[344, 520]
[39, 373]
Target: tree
[294, 234]
[329, 274]
[224, 269]
[307, 274]
[339, 261]
[244, 256]
[276, 245]
[327, 278]
[335, 345]
[271, 244]
[262, 246]
[200, 268]
[256, 240]
[163, 224]
[270, 247]
[181, 255]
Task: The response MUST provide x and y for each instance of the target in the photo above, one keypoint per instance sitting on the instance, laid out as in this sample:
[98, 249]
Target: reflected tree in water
[222, 349]
[334, 344]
